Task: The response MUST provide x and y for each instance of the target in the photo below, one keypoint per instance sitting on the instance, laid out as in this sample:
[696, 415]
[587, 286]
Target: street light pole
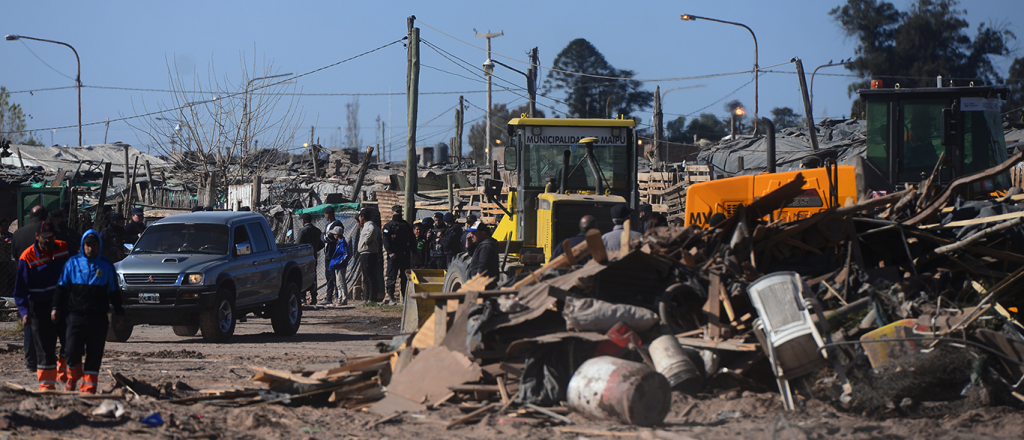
[245, 107]
[688, 17]
[531, 88]
[488, 70]
[78, 78]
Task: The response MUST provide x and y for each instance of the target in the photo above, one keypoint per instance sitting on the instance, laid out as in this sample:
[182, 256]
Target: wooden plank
[977, 221]
[729, 345]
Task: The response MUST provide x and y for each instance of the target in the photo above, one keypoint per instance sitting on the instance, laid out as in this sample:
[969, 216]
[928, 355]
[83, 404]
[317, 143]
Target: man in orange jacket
[39, 268]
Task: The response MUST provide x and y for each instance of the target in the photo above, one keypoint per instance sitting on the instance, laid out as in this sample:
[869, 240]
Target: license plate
[149, 298]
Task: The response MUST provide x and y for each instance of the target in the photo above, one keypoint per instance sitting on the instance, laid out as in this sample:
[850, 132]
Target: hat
[479, 225]
[428, 222]
[329, 210]
[396, 209]
[116, 217]
[338, 230]
[307, 217]
[449, 218]
[439, 215]
[138, 211]
[91, 238]
[621, 211]
[47, 229]
[366, 213]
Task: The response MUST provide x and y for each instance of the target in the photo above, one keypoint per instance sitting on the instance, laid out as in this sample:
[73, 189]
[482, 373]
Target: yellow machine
[908, 131]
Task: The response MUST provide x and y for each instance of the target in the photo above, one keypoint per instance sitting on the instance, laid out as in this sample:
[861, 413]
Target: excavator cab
[911, 131]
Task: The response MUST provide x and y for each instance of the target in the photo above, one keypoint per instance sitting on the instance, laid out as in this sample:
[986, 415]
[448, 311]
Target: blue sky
[140, 44]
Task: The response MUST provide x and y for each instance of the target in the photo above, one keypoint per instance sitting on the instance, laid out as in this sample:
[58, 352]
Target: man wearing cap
[339, 263]
[398, 243]
[313, 236]
[451, 242]
[330, 243]
[86, 290]
[135, 227]
[613, 240]
[369, 243]
[437, 257]
[114, 237]
[485, 253]
[39, 268]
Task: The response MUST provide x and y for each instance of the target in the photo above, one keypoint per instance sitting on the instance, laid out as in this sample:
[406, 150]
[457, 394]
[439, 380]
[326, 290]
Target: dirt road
[156, 356]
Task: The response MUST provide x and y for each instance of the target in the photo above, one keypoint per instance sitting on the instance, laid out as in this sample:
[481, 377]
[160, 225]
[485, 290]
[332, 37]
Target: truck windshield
[171, 238]
[542, 163]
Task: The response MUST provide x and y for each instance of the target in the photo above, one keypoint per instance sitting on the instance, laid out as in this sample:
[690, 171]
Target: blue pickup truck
[207, 270]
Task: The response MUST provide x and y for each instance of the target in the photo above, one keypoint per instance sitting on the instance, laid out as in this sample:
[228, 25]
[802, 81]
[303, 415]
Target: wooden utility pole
[126, 164]
[531, 81]
[149, 190]
[128, 189]
[257, 187]
[457, 140]
[362, 174]
[658, 116]
[807, 104]
[413, 85]
[97, 221]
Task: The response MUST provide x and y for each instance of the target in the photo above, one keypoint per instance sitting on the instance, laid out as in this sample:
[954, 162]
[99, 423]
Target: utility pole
[106, 131]
[807, 104]
[413, 84]
[487, 129]
[658, 116]
[531, 83]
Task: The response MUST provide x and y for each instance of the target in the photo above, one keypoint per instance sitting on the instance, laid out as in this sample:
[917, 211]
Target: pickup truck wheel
[219, 324]
[286, 315]
[185, 330]
[457, 273]
[119, 334]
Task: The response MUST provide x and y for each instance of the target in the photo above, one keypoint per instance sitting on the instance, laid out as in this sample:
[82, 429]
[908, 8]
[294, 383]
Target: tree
[675, 131]
[226, 129]
[500, 115]
[784, 117]
[734, 107]
[707, 126]
[12, 121]
[1015, 82]
[611, 93]
[912, 48]
[352, 140]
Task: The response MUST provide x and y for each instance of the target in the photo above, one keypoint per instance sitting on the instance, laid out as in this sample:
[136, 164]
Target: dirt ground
[173, 364]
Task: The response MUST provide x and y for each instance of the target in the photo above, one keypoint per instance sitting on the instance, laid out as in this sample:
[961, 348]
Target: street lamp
[688, 17]
[830, 64]
[531, 87]
[488, 71]
[78, 79]
[245, 106]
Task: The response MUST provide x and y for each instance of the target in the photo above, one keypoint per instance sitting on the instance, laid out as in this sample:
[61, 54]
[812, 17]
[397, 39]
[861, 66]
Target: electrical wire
[44, 62]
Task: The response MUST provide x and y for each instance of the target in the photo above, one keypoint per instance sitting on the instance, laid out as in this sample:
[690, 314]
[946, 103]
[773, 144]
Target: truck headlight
[195, 278]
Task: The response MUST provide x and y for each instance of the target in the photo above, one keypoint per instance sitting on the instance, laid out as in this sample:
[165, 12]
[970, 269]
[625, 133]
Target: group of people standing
[64, 287]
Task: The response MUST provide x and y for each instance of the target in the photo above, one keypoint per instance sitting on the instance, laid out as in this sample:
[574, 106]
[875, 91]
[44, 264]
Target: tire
[119, 335]
[218, 324]
[457, 273]
[185, 330]
[286, 313]
[673, 312]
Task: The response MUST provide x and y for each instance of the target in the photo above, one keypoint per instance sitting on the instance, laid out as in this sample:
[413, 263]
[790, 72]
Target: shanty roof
[57, 157]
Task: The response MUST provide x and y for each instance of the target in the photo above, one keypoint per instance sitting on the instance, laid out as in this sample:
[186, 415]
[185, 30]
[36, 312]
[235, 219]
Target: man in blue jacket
[86, 290]
[338, 262]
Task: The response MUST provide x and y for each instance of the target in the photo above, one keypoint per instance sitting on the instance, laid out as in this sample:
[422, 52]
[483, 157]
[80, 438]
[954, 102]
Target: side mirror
[510, 158]
[243, 249]
[492, 187]
[128, 247]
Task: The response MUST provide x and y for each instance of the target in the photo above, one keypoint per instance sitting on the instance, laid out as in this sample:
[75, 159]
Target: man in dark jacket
[587, 222]
[137, 226]
[114, 237]
[39, 267]
[64, 232]
[485, 253]
[24, 237]
[86, 290]
[451, 242]
[314, 237]
[419, 256]
[398, 244]
[437, 256]
[330, 243]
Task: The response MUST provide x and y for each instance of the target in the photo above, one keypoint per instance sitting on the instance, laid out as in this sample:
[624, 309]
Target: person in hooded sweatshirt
[86, 290]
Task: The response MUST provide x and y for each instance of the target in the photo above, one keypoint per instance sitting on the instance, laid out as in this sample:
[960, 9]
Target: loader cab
[909, 130]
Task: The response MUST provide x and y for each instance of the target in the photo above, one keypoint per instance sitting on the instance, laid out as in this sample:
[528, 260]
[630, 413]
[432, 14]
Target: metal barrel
[610, 388]
[672, 362]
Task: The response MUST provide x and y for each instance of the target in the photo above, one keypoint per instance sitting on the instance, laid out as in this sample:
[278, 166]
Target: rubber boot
[75, 374]
[90, 383]
[63, 375]
[47, 379]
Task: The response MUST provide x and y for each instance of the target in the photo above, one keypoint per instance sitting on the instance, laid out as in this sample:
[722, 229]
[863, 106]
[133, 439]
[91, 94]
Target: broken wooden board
[271, 376]
[729, 345]
[394, 403]
[426, 379]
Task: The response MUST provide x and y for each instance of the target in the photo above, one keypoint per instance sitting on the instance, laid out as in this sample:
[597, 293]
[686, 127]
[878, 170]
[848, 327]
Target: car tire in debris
[286, 312]
[674, 307]
[185, 330]
[118, 334]
[218, 324]
[457, 273]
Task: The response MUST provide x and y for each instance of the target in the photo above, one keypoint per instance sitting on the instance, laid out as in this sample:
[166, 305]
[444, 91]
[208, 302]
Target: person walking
[398, 241]
[86, 290]
[613, 240]
[369, 243]
[331, 289]
[39, 268]
[485, 253]
[310, 234]
[24, 237]
[339, 263]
